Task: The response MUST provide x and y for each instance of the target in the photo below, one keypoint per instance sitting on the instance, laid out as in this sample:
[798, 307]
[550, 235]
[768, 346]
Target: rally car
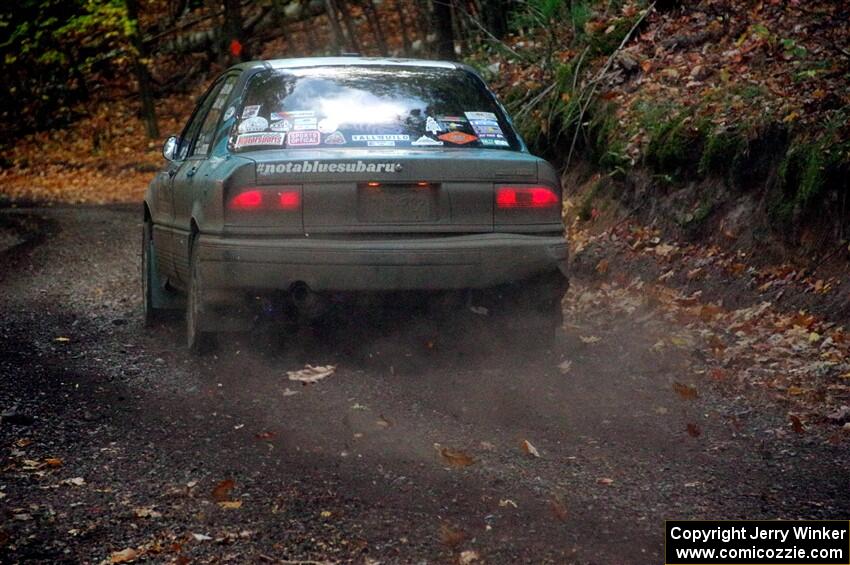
[300, 179]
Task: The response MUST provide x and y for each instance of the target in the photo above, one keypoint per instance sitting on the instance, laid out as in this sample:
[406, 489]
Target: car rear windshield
[370, 107]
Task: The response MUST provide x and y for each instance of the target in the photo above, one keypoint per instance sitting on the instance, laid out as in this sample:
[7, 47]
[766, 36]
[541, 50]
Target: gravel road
[114, 438]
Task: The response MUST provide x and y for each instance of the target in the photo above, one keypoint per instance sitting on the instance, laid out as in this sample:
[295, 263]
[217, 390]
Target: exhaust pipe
[305, 300]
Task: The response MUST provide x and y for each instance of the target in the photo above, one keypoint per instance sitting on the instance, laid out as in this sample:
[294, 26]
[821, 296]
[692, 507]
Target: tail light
[247, 200]
[526, 197]
[267, 199]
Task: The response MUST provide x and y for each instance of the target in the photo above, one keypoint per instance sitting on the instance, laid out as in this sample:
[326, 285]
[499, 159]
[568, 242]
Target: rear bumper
[434, 263]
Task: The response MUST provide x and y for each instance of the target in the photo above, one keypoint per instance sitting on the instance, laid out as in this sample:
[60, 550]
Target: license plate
[396, 204]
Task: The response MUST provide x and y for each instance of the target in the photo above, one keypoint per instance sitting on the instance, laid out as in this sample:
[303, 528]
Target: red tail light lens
[532, 197]
[289, 199]
[267, 199]
[247, 200]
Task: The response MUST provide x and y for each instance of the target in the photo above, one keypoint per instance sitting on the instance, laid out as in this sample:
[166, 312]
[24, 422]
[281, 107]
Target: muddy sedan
[298, 181]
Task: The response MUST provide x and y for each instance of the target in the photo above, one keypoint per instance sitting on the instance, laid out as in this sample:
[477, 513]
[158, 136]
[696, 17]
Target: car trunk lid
[429, 190]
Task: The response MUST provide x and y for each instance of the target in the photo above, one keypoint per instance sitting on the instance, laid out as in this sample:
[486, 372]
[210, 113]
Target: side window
[192, 128]
[205, 138]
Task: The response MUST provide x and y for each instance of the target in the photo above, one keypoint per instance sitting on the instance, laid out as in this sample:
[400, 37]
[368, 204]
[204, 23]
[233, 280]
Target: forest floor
[674, 396]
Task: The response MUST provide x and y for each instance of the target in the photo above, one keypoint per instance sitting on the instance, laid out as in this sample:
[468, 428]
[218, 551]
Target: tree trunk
[495, 16]
[441, 23]
[405, 38]
[375, 24]
[232, 40]
[351, 30]
[336, 32]
[143, 77]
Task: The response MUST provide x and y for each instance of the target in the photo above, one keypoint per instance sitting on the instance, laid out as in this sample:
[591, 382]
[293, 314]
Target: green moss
[585, 209]
[721, 150]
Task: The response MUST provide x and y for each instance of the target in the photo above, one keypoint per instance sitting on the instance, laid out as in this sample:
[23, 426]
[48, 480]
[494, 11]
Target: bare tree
[375, 24]
[350, 28]
[143, 77]
[232, 40]
[336, 31]
[441, 23]
[405, 37]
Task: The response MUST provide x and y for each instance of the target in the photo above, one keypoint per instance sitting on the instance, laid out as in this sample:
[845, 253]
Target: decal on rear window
[257, 123]
[425, 140]
[248, 139]
[336, 138]
[250, 111]
[458, 137]
[301, 138]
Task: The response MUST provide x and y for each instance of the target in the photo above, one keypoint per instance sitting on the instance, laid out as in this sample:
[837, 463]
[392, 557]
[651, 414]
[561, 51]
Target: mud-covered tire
[198, 338]
[153, 299]
[529, 314]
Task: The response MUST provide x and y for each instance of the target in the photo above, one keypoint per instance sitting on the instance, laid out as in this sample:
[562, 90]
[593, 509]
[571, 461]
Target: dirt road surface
[116, 439]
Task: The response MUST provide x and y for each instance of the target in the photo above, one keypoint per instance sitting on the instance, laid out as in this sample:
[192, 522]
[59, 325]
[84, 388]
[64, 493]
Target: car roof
[349, 61]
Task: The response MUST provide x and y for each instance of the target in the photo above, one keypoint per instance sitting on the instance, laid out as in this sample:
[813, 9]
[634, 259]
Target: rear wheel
[529, 313]
[198, 337]
[153, 294]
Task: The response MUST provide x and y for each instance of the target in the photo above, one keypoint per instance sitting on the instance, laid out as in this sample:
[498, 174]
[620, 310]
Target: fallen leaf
[311, 374]
[230, 504]
[468, 556]
[384, 422]
[565, 366]
[602, 267]
[221, 492]
[146, 512]
[796, 424]
[589, 339]
[53, 462]
[693, 430]
[289, 392]
[529, 449]
[62, 339]
[558, 508]
[326, 514]
[685, 391]
[454, 457]
[23, 442]
[76, 481]
[505, 502]
[264, 435]
[201, 537]
[124, 556]
[604, 481]
[450, 536]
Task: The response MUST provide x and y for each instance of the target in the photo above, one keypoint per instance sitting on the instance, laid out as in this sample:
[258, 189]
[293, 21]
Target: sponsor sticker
[328, 167]
[481, 116]
[425, 140]
[380, 137]
[328, 126]
[458, 137]
[257, 123]
[380, 143]
[302, 124]
[451, 118]
[432, 126]
[282, 125]
[495, 142]
[301, 138]
[487, 131]
[250, 111]
[229, 113]
[247, 139]
[336, 138]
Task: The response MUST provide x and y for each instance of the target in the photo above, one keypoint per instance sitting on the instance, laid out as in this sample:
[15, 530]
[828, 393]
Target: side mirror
[169, 148]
